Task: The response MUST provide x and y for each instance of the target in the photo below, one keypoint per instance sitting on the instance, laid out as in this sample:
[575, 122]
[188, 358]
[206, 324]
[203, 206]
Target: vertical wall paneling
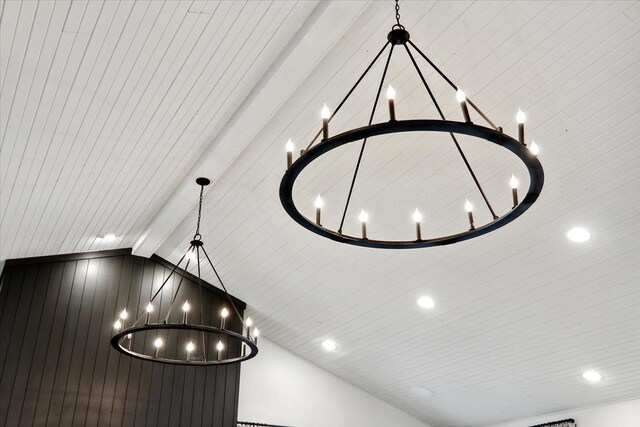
[56, 363]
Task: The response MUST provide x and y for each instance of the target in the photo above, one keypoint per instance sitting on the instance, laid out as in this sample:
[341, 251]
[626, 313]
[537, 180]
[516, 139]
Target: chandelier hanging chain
[315, 138]
[453, 137]
[197, 236]
[398, 14]
[364, 141]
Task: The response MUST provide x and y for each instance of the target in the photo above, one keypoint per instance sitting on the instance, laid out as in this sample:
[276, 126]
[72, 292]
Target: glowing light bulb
[149, 308]
[391, 92]
[248, 322]
[289, 146]
[129, 336]
[514, 181]
[520, 117]
[363, 217]
[219, 346]
[256, 332]
[468, 206]
[417, 216]
[535, 149]
[460, 96]
[190, 346]
[325, 113]
[186, 307]
[157, 343]
[124, 314]
[319, 202]
[224, 312]
[117, 325]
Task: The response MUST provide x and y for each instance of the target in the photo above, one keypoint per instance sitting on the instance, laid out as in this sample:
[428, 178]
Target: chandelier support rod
[315, 138]
[453, 85]
[175, 295]
[162, 285]
[364, 141]
[223, 286]
[204, 347]
[455, 140]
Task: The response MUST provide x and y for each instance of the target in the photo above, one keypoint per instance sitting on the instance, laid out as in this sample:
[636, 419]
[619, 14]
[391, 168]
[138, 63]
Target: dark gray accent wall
[57, 367]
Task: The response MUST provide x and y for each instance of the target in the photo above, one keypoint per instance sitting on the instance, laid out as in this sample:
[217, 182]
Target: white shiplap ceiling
[110, 110]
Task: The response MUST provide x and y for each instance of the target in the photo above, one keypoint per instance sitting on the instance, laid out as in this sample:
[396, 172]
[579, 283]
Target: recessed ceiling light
[578, 234]
[592, 376]
[422, 392]
[329, 345]
[426, 302]
[110, 237]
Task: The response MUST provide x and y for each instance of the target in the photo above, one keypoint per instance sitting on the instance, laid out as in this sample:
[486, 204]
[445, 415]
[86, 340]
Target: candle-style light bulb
[117, 325]
[148, 309]
[363, 217]
[417, 217]
[513, 182]
[190, 347]
[391, 99]
[318, 203]
[289, 149]
[185, 309]
[534, 148]
[520, 117]
[462, 99]
[256, 334]
[469, 208]
[220, 346]
[326, 114]
[157, 343]
[391, 93]
[223, 317]
[249, 322]
[124, 314]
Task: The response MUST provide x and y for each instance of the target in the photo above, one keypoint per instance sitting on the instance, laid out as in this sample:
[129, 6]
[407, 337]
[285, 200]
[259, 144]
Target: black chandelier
[527, 154]
[194, 341]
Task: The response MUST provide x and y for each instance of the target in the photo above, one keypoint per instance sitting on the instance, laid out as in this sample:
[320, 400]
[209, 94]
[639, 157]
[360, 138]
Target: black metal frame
[494, 134]
[196, 246]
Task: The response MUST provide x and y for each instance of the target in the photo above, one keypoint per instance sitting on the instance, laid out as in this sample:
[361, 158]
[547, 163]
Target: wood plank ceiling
[109, 110]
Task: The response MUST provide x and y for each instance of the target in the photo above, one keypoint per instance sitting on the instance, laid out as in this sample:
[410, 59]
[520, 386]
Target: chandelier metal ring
[533, 165]
[118, 341]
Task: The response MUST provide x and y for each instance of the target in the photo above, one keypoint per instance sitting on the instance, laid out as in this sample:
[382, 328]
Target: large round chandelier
[399, 38]
[179, 334]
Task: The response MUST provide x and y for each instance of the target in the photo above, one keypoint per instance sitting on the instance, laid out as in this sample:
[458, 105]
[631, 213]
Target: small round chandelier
[180, 335]
[400, 38]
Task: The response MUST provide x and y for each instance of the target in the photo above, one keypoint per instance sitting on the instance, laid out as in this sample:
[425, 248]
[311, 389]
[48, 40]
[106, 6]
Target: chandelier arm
[364, 141]
[204, 347]
[175, 295]
[223, 286]
[315, 138]
[453, 85]
[453, 137]
[163, 283]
